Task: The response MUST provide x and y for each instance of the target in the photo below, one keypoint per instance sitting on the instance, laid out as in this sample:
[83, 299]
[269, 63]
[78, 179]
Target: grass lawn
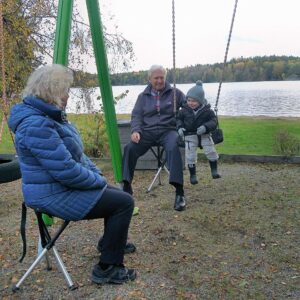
[242, 135]
[245, 135]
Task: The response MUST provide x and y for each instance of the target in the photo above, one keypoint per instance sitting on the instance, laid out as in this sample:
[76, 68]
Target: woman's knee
[127, 201]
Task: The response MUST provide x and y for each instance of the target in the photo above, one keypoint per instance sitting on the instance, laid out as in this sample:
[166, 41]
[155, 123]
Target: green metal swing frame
[61, 53]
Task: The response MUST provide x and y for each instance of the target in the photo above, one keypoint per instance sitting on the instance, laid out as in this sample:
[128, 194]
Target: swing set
[61, 51]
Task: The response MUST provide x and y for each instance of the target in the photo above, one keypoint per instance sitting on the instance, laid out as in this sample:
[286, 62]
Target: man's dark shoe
[127, 187]
[113, 274]
[129, 248]
[179, 203]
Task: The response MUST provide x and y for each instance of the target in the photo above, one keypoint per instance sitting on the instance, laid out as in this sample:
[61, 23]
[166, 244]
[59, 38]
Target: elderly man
[153, 123]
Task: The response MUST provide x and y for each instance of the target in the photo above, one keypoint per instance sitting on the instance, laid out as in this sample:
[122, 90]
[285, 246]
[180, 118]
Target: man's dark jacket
[151, 114]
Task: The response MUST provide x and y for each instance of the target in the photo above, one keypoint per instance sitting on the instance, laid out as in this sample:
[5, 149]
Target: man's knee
[171, 141]
[132, 149]
[128, 147]
[172, 145]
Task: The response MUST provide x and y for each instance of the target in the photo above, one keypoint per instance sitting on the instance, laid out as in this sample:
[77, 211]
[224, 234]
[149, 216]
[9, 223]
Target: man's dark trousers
[166, 138]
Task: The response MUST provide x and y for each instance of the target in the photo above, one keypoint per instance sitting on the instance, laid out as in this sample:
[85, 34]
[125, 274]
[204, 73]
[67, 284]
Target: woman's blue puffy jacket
[57, 176]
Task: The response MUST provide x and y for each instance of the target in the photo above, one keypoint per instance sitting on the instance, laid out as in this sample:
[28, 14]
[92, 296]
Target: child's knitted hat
[197, 93]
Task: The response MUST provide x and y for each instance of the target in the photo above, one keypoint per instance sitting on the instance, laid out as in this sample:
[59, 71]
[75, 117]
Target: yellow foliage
[18, 49]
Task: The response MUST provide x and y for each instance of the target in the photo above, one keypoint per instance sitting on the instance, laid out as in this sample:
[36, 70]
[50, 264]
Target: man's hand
[181, 132]
[135, 137]
[201, 130]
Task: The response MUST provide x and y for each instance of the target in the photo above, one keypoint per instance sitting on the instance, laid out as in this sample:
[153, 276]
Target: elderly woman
[58, 178]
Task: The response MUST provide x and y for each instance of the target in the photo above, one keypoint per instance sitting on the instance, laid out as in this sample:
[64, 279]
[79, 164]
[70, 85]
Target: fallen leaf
[14, 280]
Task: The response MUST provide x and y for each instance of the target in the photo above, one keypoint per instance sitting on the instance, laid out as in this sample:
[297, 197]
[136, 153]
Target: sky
[262, 27]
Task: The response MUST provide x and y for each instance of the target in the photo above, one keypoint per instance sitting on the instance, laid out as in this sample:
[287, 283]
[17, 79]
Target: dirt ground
[237, 239]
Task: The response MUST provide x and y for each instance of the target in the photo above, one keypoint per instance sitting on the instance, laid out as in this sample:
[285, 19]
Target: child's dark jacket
[190, 121]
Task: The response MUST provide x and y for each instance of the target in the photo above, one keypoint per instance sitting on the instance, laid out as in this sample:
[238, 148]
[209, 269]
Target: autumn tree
[29, 32]
[18, 48]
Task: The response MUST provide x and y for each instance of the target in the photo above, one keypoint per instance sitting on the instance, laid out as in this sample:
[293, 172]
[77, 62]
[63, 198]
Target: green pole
[61, 49]
[63, 30]
[105, 86]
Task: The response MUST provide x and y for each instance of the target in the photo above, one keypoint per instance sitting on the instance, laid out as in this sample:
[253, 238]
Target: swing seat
[9, 168]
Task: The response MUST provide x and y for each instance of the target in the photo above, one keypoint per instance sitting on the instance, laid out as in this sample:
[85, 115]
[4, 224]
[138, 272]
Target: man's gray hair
[49, 83]
[154, 68]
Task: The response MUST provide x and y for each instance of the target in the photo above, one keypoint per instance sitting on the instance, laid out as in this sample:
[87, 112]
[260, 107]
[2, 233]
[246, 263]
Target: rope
[174, 65]
[4, 102]
[225, 58]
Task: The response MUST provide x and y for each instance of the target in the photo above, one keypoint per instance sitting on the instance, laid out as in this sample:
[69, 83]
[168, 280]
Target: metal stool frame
[48, 244]
[161, 164]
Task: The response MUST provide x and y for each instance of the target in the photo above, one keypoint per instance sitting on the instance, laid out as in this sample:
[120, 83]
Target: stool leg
[159, 178]
[62, 267]
[48, 262]
[162, 167]
[34, 264]
[166, 169]
[44, 251]
[154, 179]
[47, 257]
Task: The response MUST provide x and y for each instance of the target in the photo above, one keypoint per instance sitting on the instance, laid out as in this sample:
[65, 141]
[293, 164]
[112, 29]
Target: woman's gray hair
[155, 68]
[50, 83]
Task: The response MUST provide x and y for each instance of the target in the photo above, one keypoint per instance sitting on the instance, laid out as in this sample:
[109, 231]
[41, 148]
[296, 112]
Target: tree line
[259, 68]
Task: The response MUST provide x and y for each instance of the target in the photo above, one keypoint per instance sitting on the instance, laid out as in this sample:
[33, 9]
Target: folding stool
[48, 243]
[159, 154]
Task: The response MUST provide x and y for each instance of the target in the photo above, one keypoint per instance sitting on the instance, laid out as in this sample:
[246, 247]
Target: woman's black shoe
[113, 274]
[129, 248]
[179, 203]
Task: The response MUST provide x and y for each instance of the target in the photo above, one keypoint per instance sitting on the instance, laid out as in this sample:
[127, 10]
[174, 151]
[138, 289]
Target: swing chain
[174, 66]
[225, 57]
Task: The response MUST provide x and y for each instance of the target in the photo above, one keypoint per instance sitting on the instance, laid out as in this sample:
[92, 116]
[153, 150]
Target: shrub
[286, 143]
[94, 136]
[92, 127]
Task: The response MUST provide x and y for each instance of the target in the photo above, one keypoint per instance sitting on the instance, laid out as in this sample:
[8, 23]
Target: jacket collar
[47, 109]
[204, 108]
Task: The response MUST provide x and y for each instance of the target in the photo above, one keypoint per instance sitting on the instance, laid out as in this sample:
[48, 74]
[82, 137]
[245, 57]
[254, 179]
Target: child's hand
[181, 132]
[201, 130]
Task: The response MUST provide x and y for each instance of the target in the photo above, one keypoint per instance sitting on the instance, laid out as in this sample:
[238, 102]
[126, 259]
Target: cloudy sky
[262, 27]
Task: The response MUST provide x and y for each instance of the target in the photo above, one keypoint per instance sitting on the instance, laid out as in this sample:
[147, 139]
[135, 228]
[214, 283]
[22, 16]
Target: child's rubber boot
[214, 169]
[193, 176]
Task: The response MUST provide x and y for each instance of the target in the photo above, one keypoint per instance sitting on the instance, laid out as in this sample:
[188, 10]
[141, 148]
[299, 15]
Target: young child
[195, 121]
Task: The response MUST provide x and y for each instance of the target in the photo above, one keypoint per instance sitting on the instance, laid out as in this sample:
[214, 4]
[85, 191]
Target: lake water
[264, 98]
